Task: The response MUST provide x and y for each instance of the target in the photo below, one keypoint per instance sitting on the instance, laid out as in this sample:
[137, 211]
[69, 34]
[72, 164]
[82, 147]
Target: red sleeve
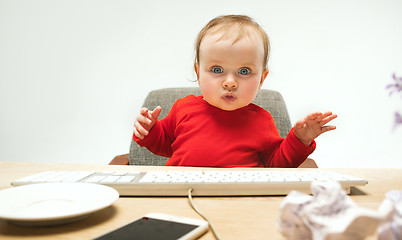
[289, 152]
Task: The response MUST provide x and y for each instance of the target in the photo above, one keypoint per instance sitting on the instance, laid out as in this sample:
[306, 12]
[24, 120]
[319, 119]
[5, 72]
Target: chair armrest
[308, 163]
[120, 160]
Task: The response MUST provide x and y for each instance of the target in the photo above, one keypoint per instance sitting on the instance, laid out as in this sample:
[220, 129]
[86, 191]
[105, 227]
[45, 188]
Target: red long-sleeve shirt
[195, 133]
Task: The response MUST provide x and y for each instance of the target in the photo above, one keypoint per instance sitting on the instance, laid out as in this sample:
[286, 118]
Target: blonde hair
[243, 24]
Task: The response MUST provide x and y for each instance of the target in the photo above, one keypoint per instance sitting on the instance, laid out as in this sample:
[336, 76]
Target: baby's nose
[229, 83]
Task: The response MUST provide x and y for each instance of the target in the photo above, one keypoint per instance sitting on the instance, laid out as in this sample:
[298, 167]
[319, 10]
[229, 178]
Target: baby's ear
[263, 76]
[197, 70]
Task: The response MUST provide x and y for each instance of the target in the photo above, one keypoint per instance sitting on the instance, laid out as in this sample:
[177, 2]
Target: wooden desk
[234, 217]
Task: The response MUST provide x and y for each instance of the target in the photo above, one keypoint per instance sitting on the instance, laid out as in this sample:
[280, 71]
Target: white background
[73, 74]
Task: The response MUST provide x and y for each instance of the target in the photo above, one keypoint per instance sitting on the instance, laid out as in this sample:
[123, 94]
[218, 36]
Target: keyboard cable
[211, 226]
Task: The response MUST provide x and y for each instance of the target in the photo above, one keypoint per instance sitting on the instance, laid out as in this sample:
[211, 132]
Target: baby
[222, 128]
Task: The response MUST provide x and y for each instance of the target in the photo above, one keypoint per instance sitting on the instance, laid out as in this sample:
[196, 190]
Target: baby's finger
[327, 128]
[327, 114]
[300, 123]
[144, 111]
[328, 119]
[313, 116]
[155, 113]
[137, 134]
[143, 119]
[319, 117]
[140, 129]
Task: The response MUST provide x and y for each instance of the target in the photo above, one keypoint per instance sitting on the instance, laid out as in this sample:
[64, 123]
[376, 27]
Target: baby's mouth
[229, 97]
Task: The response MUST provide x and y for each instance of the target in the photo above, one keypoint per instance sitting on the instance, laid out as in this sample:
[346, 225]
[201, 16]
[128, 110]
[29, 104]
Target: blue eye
[244, 71]
[217, 70]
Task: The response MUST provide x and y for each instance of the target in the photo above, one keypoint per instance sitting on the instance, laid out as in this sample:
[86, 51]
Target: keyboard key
[110, 179]
[95, 179]
[33, 177]
[125, 179]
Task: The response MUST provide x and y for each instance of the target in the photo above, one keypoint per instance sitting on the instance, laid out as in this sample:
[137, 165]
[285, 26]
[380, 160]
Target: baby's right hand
[145, 121]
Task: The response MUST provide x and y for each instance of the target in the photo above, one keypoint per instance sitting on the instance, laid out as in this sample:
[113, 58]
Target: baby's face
[230, 73]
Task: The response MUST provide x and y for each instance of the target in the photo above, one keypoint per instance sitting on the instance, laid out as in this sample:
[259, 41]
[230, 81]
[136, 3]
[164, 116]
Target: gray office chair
[270, 100]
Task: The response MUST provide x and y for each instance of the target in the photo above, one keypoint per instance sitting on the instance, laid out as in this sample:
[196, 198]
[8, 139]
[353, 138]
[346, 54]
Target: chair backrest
[270, 100]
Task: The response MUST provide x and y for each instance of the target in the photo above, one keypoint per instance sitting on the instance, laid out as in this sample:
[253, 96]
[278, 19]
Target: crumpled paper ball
[392, 229]
[329, 213]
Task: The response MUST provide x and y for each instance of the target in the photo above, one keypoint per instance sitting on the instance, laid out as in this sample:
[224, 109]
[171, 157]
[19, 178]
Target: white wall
[73, 74]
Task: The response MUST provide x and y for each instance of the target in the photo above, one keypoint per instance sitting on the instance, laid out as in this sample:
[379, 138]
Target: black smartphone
[157, 226]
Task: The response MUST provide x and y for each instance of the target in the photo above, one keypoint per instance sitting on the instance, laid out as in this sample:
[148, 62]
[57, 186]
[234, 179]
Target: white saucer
[47, 204]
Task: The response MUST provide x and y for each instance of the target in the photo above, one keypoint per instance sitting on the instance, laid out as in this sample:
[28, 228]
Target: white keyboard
[203, 183]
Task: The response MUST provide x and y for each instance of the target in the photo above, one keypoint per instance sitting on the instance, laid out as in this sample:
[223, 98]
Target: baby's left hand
[312, 126]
